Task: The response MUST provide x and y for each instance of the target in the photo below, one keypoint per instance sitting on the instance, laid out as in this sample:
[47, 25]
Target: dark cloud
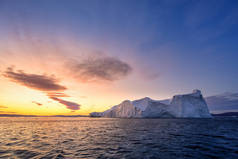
[47, 84]
[101, 68]
[37, 103]
[39, 82]
[68, 104]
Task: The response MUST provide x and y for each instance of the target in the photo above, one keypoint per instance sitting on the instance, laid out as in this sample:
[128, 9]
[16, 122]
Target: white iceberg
[181, 106]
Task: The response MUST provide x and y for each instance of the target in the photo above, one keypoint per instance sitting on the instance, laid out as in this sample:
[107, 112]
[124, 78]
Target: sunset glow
[60, 59]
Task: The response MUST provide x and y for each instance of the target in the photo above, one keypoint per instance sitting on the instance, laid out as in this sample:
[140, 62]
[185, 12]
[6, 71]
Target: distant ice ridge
[190, 105]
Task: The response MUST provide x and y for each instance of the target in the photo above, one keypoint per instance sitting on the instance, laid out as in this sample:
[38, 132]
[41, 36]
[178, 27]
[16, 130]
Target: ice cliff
[190, 105]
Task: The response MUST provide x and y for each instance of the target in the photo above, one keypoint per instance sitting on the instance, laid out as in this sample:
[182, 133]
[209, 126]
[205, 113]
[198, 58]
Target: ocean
[82, 137]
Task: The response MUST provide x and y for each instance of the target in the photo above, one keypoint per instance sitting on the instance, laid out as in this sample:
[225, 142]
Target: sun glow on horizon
[79, 57]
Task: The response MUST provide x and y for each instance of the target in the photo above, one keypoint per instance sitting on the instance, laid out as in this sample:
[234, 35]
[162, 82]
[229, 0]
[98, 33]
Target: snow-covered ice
[190, 105]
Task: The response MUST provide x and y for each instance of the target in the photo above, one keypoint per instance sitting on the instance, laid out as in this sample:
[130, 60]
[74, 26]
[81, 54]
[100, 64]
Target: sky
[77, 56]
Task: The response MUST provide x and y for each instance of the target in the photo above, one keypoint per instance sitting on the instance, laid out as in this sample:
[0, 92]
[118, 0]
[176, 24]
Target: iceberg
[190, 105]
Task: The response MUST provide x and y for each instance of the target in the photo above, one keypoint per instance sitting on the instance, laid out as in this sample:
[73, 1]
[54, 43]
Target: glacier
[190, 105]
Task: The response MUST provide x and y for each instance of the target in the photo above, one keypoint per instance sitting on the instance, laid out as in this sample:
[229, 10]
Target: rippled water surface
[118, 138]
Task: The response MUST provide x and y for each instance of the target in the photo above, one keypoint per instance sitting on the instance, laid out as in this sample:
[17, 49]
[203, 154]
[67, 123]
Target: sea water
[65, 137]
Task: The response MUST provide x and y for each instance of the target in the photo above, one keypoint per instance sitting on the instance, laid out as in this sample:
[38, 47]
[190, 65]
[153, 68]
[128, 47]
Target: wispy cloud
[39, 82]
[47, 84]
[68, 104]
[6, 112]
[101, 68]
[37, 103]
[2, 106]
[151, 75]
[57, 94]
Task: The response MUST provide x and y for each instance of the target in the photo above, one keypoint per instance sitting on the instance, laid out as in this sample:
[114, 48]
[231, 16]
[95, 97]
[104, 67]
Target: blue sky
[172, 46]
